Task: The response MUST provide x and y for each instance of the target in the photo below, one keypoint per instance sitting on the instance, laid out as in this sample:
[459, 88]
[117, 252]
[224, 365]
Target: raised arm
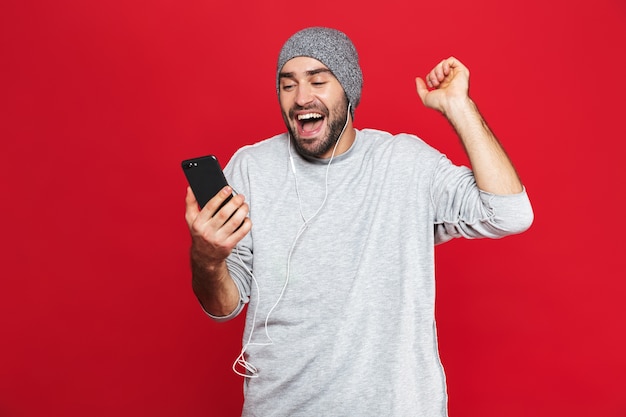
[446, 89]
[214, 234]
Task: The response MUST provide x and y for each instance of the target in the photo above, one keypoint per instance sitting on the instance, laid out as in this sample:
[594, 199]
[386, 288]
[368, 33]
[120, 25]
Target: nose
[304, 95]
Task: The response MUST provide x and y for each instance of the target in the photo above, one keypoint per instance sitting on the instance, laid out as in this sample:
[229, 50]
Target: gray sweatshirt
[341, 300]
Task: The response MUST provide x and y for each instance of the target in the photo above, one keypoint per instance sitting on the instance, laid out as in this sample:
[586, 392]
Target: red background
[102, 100]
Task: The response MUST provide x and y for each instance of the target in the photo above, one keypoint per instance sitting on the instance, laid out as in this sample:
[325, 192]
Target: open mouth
[309, 123]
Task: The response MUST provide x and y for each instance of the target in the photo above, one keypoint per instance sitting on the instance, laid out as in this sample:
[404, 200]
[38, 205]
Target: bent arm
[214, 233]
[447, 89]
[213, 286]
[492, 168]
[461, 209]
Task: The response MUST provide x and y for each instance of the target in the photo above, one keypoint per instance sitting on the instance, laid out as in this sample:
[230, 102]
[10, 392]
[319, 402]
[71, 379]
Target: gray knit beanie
[333, 49]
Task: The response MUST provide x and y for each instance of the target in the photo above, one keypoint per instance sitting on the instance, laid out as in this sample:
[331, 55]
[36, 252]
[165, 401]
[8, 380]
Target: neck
[344, 143]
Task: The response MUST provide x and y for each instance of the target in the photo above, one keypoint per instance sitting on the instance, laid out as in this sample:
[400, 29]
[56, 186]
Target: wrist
[206, 265]
[458, 107]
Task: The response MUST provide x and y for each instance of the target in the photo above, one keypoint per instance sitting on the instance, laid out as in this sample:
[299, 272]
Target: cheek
[286, 100]
[340, 105]
[284, 108]
[285, 117]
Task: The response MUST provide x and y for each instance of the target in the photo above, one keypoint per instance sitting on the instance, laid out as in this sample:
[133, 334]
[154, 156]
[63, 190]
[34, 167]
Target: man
[338, 269]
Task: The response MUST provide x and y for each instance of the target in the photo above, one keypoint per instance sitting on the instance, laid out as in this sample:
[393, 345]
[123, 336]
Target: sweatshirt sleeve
[463, 210]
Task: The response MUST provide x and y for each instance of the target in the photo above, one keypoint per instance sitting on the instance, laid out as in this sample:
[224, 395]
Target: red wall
[101, 100]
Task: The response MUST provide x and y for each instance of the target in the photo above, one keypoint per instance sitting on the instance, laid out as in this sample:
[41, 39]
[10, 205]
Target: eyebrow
[309, 73]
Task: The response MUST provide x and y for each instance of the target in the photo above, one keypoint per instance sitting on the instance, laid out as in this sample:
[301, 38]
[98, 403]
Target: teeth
[309, 116]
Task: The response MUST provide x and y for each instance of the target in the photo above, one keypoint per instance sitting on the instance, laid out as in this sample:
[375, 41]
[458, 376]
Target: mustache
[317, 108]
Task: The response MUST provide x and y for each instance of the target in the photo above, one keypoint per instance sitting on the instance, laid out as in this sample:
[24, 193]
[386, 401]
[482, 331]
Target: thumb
[422, 89]
[191, 206]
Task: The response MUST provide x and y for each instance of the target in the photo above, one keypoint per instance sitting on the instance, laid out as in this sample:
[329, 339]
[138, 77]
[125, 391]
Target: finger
[238, 224]
[431, 80]
[426, 81]
[212, 206]
[241, 232]
[456, 65]
[225, 213]
[452, 62]
[237, 219]
[439, 72]
[445, 67]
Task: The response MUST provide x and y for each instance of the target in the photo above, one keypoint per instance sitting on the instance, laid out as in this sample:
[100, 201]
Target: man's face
[313, 104]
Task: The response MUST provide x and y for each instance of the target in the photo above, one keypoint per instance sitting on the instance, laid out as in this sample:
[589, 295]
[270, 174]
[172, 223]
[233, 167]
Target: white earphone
[241, 361]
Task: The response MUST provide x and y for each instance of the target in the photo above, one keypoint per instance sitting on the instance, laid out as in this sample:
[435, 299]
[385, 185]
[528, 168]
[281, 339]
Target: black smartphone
[206, 178]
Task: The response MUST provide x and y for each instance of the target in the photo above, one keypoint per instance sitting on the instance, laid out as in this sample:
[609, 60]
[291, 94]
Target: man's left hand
[447, 82]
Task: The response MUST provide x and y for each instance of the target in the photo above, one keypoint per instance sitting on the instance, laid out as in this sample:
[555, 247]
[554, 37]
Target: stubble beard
[336, 122]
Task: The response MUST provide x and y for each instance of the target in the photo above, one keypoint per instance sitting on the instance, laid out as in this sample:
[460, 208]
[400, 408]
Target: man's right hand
[214, 233]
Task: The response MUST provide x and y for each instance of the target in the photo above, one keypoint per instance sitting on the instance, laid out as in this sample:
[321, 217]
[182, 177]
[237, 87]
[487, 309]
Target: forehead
[302, 65]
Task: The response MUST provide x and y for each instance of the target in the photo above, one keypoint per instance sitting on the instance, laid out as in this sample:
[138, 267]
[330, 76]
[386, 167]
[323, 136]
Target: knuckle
[222, 215]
